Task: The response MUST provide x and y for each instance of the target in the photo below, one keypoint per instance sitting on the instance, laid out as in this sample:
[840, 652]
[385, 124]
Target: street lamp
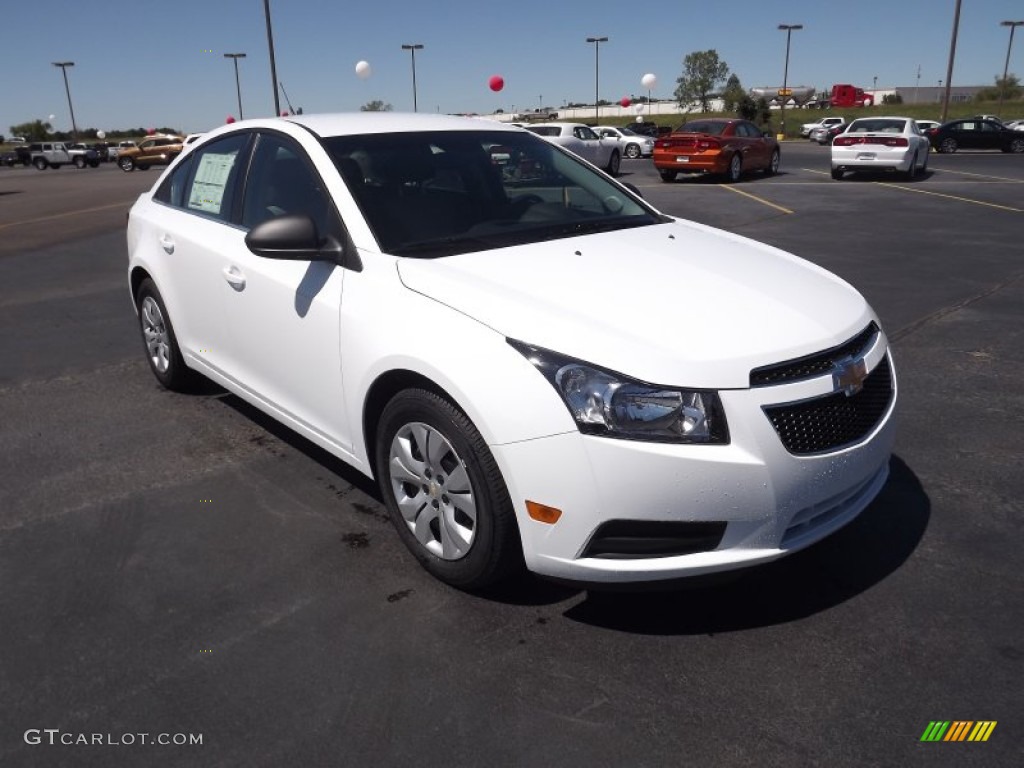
[597, 74]
[785, 76]
[1006, 67]
[64, 68]
[949, 67]
[412, 48]
[238, 87]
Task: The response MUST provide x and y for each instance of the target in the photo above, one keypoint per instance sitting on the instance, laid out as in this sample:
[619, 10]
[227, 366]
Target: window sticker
[211, 179]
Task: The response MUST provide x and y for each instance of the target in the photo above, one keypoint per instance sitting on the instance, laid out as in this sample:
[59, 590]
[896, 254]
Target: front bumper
[770, 501]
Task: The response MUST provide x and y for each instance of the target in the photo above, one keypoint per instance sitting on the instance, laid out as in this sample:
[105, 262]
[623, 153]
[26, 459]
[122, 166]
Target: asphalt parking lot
[181, 565]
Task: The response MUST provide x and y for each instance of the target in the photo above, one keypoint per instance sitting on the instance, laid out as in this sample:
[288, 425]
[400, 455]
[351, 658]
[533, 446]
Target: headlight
[607, 403]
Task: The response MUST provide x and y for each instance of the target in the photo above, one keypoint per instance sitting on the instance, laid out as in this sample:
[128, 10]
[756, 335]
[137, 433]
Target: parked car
[824, 133]
[54, 154]
[721, 146]
[644, 128]
[88, 156]
[1015, 125]
[927, 125]
[806, 128]
[584, 141]
[498, 361]
[633, 145]
[881, 144]
[102, 150]
[154, 150]
[971, 133]
[8, 158]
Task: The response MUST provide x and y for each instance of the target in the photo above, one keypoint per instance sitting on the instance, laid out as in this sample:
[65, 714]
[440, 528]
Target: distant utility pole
[238, 86]
[597, 75]
[1006, 67]
[273, 63]
[64, 68]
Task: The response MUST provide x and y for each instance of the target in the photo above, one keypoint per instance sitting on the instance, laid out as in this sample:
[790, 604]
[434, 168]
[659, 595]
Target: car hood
[673, 304]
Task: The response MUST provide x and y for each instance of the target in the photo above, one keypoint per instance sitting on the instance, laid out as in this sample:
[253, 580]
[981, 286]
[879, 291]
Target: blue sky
[145, 63]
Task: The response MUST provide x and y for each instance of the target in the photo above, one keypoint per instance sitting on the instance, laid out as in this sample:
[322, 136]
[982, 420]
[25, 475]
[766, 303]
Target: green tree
[1009, 89]
[747, 108]
[702, 72]
[764, 111]
[892, 98]
[36, 130]
[375, 106]
[733, 94]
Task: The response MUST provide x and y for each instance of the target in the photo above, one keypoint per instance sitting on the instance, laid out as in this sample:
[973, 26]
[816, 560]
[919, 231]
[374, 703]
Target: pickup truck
[54, 154]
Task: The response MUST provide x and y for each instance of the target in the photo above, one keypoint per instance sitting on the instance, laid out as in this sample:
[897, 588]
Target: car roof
[347, 123]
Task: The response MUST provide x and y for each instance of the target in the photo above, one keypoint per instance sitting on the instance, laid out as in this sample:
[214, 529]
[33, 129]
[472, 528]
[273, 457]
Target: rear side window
[172, 189]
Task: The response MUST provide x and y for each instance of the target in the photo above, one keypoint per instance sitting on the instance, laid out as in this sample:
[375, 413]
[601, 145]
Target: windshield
[438, 193]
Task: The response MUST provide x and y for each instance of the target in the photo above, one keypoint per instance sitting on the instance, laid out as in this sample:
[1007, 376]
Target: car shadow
[825, 575]
[883, 176]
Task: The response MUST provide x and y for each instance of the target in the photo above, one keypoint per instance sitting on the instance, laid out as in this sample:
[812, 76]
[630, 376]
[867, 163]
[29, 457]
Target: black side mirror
[292, 237]
[632, 188]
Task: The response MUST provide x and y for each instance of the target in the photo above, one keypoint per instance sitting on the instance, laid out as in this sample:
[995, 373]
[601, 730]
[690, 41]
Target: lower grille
[632, 539]
[834, 421]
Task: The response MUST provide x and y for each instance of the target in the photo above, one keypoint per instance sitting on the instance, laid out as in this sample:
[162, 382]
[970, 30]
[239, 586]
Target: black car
[972, 133]
[102, 151]
[8, 158]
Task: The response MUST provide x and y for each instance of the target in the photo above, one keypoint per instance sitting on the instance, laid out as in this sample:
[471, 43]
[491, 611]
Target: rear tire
[444, 492]
[613, 164]
[911, 172]
[667, 175]
[735, 169]
[40, 163]
[948, 146]
[837, 174]
[1017, 146]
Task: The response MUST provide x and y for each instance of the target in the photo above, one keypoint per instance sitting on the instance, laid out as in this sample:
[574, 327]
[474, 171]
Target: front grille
[808, 367]
[831, 422]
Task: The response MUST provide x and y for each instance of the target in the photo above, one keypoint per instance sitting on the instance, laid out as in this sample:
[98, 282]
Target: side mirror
[632, 188]
[292, 237]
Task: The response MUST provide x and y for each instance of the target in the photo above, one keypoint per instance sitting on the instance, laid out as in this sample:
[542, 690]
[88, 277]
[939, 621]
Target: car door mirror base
[293, 237]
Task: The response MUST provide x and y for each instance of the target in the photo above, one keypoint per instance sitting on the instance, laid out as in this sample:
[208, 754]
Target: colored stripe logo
[958, 730]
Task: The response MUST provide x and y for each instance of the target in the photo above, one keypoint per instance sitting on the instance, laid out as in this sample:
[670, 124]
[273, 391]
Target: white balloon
[52, 117]
[639, 118]
[363, 70]
[648, 80]
[101, 134]
[639, 108]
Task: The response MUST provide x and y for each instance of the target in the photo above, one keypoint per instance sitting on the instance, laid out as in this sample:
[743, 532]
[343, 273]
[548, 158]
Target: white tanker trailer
[797, 93]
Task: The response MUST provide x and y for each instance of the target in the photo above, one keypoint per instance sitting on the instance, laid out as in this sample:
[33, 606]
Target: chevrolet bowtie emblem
[848, 375]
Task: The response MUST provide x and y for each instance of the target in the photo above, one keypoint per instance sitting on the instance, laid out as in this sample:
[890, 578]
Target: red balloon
[150, 131]
[230, 120]
[625, 101]
[283, 113]
[496, 83]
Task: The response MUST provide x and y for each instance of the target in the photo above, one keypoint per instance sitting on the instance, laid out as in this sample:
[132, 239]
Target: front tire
[161, 345]
[40, 163]
[79, 162]
[126, 164]
[444, 492]
[773, 164]
[613, 164]
[632, 151]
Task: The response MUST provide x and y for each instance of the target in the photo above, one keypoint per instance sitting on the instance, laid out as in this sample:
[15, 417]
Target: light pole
[238, 86]
[1006, 67]
[412, 48]
[597, 74]
[273, 63]
[952, 58]
[64, 68]
[785, 76]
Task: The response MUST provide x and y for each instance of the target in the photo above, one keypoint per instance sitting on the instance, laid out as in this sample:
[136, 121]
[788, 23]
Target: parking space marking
[65, 215]
[758, 199]
[890, 185]
[983, 176]
[949, 197]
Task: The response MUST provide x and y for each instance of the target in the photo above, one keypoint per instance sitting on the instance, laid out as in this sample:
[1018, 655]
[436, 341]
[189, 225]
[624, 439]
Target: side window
[281, 180]
[171, 190]
[211, 190]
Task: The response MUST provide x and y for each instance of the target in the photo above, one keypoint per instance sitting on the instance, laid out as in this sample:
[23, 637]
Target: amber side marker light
[543, 513]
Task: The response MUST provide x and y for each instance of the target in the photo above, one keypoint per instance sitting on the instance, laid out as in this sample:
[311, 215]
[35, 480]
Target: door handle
[167, 243]
[234, 277]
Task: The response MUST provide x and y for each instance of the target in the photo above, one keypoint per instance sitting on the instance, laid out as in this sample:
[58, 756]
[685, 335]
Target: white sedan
[584, 141]
[633, 144]
[881, 144]
[537, 367]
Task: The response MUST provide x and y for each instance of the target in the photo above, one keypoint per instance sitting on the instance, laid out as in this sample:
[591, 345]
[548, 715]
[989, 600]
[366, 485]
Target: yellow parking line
[65, 215]
[982, 175]
[950, 197]
[758, 199]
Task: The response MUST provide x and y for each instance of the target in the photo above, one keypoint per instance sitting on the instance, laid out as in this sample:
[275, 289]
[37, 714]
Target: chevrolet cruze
[537, 367]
